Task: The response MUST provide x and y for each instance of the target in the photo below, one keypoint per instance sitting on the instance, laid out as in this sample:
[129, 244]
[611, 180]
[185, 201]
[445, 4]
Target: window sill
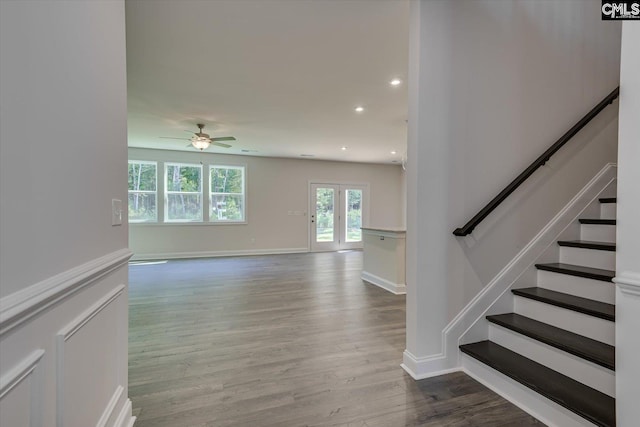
[183, 224]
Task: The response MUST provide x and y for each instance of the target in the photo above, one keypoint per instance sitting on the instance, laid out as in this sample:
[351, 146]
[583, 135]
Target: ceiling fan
[202, 141]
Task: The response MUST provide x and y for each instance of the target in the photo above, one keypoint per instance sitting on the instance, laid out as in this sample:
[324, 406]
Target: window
[142, 191]
[183, 192]
[227, 194]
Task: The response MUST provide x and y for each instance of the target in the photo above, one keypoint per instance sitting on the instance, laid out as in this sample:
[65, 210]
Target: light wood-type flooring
[284, 340]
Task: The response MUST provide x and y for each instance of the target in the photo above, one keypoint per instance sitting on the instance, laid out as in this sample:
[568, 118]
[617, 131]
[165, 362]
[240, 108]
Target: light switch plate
[116, 212]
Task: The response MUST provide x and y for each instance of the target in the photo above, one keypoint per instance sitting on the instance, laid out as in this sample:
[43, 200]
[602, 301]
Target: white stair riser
[588, 373]
[579, 323]
[588, 257]
[578, 286]
[598, 232]
[547, 411]
[608, 210]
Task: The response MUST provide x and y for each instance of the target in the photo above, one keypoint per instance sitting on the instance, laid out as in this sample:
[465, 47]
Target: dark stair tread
[587, 402]
[608, 200]
[578, 345]
[597, 221]
[582, 305]
[578, 270]
[588, 244]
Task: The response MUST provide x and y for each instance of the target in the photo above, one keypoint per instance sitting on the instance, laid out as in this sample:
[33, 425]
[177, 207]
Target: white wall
[274, 187]
[492, 85]
[63, 274]
[628, 232]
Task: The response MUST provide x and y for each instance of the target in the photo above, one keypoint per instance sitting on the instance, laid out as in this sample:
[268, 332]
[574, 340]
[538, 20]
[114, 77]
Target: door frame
[365, 203]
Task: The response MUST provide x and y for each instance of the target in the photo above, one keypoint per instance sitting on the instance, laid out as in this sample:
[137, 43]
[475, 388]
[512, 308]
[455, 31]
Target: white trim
[108, 411]
[18, 374]
[628, 283]
[20, 306]
[67, 332]
[166, 192]
[399, 234]
[76, 324]
[478, 307]
[124, 418]
[174, 223]
[394, 288]
[215, 254]
[366, 190]
[425, 367]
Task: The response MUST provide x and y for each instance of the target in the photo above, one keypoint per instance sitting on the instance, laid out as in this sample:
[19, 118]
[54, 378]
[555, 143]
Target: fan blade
[220, 144]
[170, 137]
[223, 138]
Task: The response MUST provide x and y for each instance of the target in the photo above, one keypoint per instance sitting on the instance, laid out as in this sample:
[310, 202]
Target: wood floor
[284, 340]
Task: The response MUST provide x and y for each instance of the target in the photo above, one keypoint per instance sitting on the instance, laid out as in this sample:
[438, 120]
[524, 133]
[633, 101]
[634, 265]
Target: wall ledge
[20, 306]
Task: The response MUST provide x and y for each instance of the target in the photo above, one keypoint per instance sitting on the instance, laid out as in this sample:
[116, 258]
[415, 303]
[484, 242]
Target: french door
[337, 213]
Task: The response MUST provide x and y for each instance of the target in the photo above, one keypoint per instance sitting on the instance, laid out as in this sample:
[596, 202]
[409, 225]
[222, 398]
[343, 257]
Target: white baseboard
[216, 254]
[394, 288]
[110, 409]
[426, 367]
[480, 305]
[125, 419]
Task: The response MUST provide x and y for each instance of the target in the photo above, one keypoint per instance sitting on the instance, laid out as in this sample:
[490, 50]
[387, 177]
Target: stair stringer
[497, 298]
[470, 324]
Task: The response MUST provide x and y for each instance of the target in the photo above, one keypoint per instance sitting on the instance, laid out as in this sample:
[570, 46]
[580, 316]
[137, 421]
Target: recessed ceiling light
[395, 82]
[394, 152]
[344, 148]
[359, 109]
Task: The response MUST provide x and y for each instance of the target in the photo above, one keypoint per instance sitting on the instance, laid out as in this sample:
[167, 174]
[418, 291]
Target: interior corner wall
[628, 232]
[492, 85]
[63, 266]
[275, 186]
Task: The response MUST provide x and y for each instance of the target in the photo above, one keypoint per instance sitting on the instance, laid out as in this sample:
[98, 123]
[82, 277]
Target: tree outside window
[183, 192]
[142, 191]
[227, 201]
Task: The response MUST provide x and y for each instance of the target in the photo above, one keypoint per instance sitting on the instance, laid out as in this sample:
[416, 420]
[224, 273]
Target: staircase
[555, 353]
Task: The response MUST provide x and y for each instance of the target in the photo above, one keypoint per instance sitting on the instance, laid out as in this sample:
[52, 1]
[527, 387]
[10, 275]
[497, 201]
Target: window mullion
[206, 193]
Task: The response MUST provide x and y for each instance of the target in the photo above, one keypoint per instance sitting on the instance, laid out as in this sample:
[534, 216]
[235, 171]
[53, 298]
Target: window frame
[211, 194]
[167, 192]
[154, 192]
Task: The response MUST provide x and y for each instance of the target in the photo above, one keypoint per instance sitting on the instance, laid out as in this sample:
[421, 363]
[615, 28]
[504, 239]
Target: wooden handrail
[484, 212]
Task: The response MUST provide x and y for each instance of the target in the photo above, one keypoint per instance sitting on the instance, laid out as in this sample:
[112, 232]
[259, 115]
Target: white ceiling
[282, 76]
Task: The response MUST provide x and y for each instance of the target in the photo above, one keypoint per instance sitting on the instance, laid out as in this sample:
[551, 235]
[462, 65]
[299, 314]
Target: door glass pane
[353, 215]
[324, 214]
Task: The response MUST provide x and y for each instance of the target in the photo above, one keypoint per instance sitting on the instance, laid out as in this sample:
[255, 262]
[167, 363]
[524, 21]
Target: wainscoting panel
[78, 355]
[63, 349]
[20, 393]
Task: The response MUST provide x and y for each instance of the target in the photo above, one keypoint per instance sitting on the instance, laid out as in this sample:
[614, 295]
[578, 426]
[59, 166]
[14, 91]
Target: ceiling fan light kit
[202, 141]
